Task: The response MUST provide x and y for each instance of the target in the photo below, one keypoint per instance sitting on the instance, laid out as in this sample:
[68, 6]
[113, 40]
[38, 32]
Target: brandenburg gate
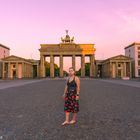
[67, 47]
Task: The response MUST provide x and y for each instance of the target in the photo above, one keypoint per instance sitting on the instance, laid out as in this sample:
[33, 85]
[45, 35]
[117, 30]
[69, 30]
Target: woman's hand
[77, 97]
[63, 96]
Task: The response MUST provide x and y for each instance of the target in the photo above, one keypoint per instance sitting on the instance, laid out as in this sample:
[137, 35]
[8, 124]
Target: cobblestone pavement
[33, 110]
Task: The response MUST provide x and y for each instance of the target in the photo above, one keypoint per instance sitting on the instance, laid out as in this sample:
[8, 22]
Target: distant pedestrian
[71, 97]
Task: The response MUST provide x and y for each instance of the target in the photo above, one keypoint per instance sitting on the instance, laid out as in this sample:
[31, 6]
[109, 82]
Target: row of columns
[26, 70]
[124, 68]
[42, 65]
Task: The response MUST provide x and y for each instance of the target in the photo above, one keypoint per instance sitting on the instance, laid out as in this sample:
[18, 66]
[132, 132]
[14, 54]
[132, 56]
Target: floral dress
[71, 104]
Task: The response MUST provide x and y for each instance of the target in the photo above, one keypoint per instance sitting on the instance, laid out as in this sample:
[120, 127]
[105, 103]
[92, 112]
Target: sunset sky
[109, 24]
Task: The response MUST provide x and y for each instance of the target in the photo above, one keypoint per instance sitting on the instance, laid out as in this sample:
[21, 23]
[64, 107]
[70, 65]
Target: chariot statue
[67, 38]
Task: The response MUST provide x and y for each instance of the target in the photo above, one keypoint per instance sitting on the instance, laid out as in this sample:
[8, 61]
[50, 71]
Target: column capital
[83, 55]
[51, 55]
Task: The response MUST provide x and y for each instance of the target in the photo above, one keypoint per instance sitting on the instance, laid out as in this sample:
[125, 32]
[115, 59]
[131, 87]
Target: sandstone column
[27, 68]
[37, 70]
[42, 66]
[83, 66]
[130, 66]
[23, 72]
[91, 65]
[26, 71]
[17, 76]
[73, 62]
[51, 66]
[116, 76]
[61, 65]
[9, 70]
[124, 69]
[110, 70]
[3, 70]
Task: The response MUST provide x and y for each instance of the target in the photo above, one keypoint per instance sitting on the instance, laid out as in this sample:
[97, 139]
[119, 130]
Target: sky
[109, 24]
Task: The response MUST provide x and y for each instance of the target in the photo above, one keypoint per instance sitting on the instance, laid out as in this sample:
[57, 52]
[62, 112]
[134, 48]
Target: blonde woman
[71, 97]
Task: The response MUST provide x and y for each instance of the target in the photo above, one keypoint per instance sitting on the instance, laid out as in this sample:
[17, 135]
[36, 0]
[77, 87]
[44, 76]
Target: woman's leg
[73, 118]
[67, 114]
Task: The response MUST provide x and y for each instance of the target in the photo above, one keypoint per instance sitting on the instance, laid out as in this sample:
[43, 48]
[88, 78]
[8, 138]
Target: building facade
[67, 47]
[114, 67]
[133, 51]
[17, 67]
[4, 52]
[120, 66]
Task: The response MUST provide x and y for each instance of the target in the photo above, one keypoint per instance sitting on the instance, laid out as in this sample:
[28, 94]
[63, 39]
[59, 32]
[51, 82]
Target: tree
[87, 70]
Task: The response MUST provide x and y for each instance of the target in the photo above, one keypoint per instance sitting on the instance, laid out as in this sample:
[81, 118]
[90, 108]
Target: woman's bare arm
[77, 80]
[66, 87]
[65, 90]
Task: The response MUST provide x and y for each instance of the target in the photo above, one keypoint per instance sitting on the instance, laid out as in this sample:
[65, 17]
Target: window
[119, 65]
[139, 62]
[138, 54]
[138, 48]
[139, 72]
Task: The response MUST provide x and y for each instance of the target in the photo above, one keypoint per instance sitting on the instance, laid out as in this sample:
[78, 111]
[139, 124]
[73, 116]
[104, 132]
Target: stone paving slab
[34, 111]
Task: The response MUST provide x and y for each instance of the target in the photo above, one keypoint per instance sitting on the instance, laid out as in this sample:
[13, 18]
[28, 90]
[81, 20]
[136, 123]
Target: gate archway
[67, 47]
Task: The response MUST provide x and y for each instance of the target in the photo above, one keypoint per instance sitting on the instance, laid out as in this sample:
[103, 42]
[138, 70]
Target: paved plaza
[33, 110]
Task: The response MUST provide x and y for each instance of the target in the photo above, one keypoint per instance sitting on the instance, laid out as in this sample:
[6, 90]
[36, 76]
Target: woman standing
[71, 96]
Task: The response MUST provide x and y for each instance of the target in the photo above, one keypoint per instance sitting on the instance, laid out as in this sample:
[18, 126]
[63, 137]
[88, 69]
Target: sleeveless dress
[71, 104]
